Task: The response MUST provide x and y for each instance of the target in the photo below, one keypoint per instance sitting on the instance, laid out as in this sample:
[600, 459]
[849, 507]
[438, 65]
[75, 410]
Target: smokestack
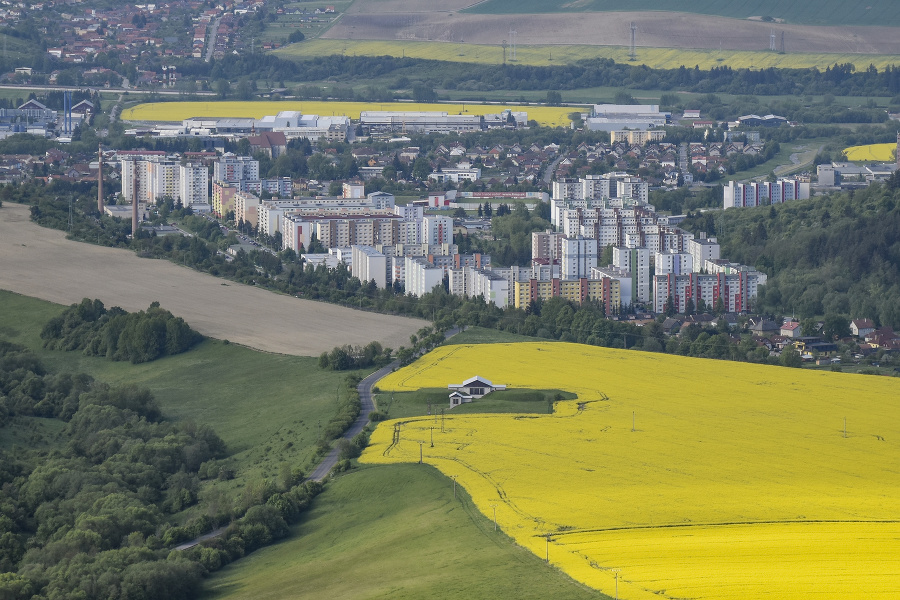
[134, 202]
[100, 179]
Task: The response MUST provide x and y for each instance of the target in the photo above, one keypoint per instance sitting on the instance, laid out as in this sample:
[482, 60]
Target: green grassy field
[416, 404]
[483, 335]
[393, 532]
[266, 407]
[822, 12]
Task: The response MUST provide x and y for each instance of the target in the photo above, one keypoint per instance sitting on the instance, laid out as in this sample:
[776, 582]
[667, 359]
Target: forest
[94, 481]
[837, 253]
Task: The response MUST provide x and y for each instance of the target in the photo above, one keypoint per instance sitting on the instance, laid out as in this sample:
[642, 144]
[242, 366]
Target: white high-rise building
[193, 184]
[368, 264]
[741, 195]
[635, 261]
[674, 262]
[232, 168]
[164, 179]
[703, 249]
[421, 276]
[579, 256]
[437, 230]
[633, 189]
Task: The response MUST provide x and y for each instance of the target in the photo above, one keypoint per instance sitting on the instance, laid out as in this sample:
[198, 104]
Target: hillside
[688, 478]
[834, 28]
[824, 12]
[393, 532]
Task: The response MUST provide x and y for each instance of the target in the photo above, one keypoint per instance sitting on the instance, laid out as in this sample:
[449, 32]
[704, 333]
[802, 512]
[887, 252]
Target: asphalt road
[366, 406]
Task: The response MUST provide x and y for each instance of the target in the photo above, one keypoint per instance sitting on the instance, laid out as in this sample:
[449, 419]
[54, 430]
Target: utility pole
[503, 43]
[494, 506]
[632, 55]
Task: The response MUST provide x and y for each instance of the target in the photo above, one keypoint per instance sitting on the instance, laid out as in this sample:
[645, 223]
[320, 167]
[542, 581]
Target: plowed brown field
[42, 263]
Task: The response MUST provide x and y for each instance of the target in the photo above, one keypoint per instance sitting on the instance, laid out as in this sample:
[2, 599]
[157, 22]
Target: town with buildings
[607, 242]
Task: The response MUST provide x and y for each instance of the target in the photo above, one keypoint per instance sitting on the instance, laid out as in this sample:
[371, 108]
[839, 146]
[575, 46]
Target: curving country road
[366, 406]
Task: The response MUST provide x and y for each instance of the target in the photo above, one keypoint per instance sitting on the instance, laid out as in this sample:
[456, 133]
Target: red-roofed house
[791, 330]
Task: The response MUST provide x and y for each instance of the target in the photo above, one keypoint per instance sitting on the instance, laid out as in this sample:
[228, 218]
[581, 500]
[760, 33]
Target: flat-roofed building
[421, 276]
[368, 264]
[419, 121]
[606, 291]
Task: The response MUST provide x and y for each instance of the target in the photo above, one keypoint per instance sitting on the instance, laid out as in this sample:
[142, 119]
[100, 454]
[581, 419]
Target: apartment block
[421, 276]
[735, 290]
[222, 198]
[546, 244]
[606, 291]
[368, 264]
[636, 262]
[637, 136]
[703, 249]
[437, 230]
[472, 282]
[193, 184]
[232, 169]
[742, 195]
[245, 208]
[579, 256]
[674, 262]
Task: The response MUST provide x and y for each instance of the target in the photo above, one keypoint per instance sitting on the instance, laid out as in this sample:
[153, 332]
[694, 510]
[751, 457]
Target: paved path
[366, 406]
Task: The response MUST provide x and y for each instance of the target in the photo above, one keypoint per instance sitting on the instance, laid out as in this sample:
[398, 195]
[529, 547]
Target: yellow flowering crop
[872, 152]
[545, 55]
[549, 116]
[684, 477]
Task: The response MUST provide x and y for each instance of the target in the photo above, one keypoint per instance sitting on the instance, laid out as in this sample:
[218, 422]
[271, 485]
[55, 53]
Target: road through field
[40, 262]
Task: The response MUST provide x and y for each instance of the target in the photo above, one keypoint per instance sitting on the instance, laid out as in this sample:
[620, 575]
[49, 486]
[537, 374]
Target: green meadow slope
[393, 532]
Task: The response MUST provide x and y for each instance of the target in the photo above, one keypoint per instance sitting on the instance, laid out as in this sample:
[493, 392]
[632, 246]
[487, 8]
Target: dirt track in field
[410, 20]
[40, 262]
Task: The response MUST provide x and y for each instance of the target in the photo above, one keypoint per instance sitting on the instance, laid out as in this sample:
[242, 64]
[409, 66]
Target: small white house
[468, 390]
[861, 327]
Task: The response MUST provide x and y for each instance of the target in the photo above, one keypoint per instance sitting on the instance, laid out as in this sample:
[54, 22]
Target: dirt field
[409, 20]
[41, 263]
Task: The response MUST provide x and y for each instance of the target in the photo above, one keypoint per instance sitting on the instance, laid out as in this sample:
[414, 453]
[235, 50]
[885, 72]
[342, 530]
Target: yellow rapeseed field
[543, 55]
[547, 116]
[872, 152]
[684, 477]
